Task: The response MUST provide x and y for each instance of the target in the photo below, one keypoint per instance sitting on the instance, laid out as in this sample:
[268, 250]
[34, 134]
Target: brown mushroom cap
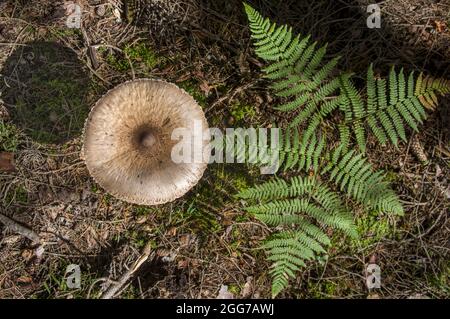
[127, 141]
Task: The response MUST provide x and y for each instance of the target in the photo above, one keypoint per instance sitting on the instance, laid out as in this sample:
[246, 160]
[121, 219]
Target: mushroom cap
[127, 141]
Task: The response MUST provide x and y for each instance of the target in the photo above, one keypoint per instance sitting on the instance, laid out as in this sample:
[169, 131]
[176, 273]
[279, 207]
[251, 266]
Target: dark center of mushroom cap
[145, 137]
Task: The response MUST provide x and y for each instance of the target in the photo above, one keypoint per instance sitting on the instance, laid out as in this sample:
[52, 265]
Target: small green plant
[241, 112]
[197, 219]
[141, 210]
[17, 194]
[372, 228]
[192, 88]
[117, 63]
[139, 238]
[9, 137]
[315, 91]
[143, 53]
[55, 282]
[323, 289]
[139, 54]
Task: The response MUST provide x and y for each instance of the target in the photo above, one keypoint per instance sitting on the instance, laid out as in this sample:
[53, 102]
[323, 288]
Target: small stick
[17, 228]
[91, 49]
[112, 291]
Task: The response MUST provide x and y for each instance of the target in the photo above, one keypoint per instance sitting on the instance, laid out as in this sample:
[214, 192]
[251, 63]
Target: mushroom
[128, 141]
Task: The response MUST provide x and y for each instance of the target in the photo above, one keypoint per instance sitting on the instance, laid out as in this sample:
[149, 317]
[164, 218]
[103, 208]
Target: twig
[231, 94]
[13, 44]
[113, 290]
[91, 287]
[22, 230]
[91, 49]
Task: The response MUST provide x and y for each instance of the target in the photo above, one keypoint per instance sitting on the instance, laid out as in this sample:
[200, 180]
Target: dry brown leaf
[27, 254]
[184, 77]
[187, 239]
[24, 280]
[248, 288]
[11, 240]
[171, 232]
[441, 26]
[183, 263]
[205, 88]
[4, 115]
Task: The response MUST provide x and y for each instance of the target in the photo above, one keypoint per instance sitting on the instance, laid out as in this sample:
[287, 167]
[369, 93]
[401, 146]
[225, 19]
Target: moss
[197, 219]
[153, 244]
[234, 289]
[391, 177]
[50, 93]
[216, 120]
[201, 213]
[192, 87]
[241, 183]
[441, 281]
[65, 33]
[323, 289]
[119, 64]
[245, 217]
[139, 238]
[371, 229]
[141, 210]
[240, 176]
[9, 137]
[19, 195]
[141, 55]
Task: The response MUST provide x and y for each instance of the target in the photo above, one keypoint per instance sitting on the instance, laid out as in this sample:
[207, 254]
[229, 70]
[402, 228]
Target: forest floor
[203, 240]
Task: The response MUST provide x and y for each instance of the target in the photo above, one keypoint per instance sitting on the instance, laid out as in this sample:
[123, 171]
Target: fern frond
[407, 102]
[288, 199]
[389, 105]
[355, 176]
[289, 251]
[300, 152]
[296, 204]
[288, 255]
[296, 64]
[274, 188]
[303, 207]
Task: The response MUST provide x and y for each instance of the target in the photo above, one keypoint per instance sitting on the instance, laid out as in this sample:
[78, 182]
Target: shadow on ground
[44, 86]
